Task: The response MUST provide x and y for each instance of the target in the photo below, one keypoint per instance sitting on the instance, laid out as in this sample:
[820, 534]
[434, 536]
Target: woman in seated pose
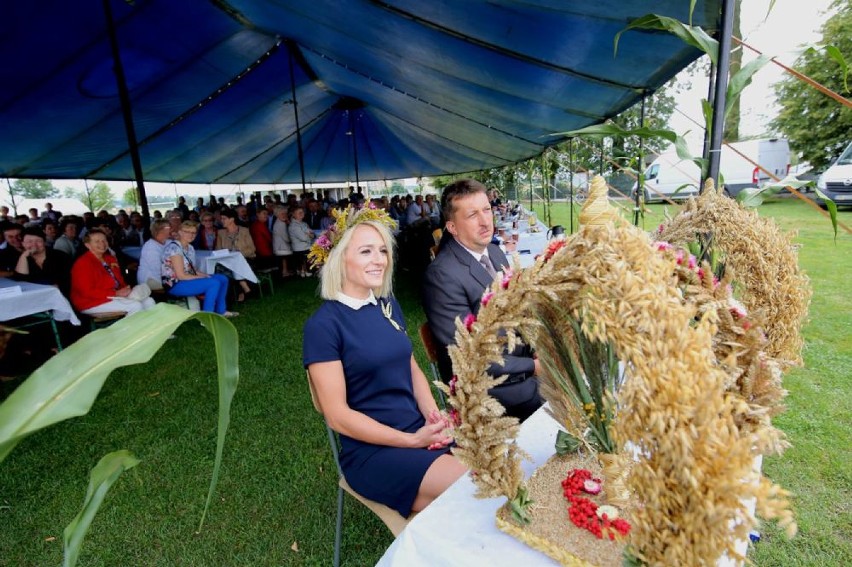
[182, 279]
[207, 233]
[370, 388]
[97, 285]
[40, 264]
[235, 238]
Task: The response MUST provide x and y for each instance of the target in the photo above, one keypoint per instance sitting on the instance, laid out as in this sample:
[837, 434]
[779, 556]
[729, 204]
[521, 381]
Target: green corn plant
[67, 385]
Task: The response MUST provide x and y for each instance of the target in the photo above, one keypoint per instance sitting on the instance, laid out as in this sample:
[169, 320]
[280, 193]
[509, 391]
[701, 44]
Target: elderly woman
[301, 238]
[97, 285]
[236, 238]
[207, 233]
[281, 238]
[372, 392]
[40, 264]
[182, 279]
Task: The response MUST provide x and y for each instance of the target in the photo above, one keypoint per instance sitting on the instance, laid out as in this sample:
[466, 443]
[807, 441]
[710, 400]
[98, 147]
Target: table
[530, 244]
[458, 529]
[35, 298]
[234, 261]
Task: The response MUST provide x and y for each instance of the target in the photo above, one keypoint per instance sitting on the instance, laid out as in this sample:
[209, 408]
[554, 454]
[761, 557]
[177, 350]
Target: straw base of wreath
[550, 531]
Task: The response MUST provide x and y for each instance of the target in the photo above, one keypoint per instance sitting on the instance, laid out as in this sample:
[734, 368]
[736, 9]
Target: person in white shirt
[150, 260]
[415, 212]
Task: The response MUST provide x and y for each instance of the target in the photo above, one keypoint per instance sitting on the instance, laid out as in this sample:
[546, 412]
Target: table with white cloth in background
[530, 244]
[234, 261]
[459, 529]
[34, 299]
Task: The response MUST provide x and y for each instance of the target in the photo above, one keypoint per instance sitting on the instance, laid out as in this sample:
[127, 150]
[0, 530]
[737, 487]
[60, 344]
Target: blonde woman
[395, 443]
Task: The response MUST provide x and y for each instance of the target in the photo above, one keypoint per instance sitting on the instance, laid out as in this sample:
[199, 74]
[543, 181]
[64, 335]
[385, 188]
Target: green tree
[816, 125]
[131, 198]
[95, 197]
[34, 189]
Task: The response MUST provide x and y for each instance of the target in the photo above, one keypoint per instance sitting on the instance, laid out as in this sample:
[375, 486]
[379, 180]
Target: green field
[278, 482]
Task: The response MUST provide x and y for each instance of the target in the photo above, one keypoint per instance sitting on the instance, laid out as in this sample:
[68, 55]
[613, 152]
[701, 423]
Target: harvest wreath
[634, 376]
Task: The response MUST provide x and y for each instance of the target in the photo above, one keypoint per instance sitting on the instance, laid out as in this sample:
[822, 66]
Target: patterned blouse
[173, 248]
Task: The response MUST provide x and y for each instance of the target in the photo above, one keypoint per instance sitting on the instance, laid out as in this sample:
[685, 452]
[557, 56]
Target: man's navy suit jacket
[453, 287]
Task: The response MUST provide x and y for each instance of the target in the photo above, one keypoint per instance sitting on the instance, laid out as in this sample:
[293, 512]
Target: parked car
[836, 181]
[669, 177]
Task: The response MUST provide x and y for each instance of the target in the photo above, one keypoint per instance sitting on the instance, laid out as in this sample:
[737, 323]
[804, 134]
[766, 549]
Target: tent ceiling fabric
[439, 86]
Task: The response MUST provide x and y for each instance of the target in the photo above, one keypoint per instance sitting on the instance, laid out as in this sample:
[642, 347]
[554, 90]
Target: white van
[669, 177]
[836, 181]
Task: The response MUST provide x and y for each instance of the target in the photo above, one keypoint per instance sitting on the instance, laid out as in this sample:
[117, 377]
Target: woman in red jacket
[97, 285]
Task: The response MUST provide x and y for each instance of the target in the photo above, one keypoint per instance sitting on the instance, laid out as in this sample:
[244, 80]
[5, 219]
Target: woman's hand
[123, 292]
[432, 436]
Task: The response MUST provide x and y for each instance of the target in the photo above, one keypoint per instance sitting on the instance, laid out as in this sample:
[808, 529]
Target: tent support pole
[126, 112]
[718, 127]
[640, 183]
[354, 150]
[571, 182]
[296, 115]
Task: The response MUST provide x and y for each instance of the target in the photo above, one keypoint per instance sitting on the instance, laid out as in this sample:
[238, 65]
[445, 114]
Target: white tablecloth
[530, 244]
[234, 261]
[458, 529]
[35, 298]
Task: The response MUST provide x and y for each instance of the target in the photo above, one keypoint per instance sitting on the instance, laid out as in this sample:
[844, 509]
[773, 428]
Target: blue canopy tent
[414, 88]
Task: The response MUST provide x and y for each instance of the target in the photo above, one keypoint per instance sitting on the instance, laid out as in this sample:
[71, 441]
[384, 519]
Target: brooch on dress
[387, 311]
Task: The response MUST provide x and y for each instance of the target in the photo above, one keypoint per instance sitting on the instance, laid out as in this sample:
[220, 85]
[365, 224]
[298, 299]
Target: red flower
[469, 320]
[486, 297]
[508, 274]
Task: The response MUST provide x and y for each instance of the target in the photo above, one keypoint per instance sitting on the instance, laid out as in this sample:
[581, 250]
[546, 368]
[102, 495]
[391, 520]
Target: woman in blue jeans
[182, 279]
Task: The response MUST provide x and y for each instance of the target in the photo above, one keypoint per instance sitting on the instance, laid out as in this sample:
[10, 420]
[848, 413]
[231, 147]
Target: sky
[782, 33]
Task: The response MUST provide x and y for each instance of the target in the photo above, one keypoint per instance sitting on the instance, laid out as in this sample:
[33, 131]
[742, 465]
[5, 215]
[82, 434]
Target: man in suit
[466, 264]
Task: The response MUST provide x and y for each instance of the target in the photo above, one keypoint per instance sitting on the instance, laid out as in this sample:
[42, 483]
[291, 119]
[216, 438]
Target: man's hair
[453, 191]
[334, 269]
[228, 213]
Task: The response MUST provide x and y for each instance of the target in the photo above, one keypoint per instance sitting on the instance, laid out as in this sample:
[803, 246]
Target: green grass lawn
[278, 482]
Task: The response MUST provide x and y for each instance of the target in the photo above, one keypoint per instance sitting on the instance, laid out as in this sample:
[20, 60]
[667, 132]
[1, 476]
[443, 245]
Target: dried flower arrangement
[691, 466]
[764, 259]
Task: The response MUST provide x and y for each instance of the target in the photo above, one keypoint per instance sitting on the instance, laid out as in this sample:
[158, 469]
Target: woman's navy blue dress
[376, 362]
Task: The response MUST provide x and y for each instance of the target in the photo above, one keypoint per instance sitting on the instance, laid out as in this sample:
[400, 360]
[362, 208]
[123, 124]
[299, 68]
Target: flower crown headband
[343, 221]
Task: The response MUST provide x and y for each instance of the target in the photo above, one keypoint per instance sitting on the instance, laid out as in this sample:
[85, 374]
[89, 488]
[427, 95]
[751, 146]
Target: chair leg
[339, 527]
[55, 332]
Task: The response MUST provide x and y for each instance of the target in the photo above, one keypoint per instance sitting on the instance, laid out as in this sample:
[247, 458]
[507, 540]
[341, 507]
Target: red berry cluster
[583, 512]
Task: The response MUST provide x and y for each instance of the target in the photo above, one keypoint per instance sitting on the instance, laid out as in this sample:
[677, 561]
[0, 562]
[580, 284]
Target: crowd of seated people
[107, 262]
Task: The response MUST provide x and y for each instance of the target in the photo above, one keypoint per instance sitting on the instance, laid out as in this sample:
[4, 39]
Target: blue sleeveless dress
[376, 360]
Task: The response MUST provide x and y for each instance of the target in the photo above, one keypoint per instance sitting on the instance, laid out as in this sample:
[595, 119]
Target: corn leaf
[614, 130]
[102, 477]
[832, 210]
[692, 35]
[67, 385]
[742, 79]
[754, 197]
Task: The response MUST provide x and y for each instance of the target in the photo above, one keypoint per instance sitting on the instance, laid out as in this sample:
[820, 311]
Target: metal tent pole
[640, 184]
[571, 181]
[718, 126]
[296, 115]
[354, 149]
[126, 111]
